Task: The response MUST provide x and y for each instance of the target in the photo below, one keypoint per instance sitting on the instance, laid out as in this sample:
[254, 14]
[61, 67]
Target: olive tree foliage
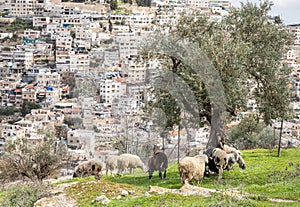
[250, 134]
[34, 161]
[246, 48]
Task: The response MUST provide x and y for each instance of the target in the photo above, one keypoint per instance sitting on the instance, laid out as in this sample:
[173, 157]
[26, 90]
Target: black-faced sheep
[112, 163]
[158, 162]
[88, 168]
[220, 159]
[132, 161]
[192, 168]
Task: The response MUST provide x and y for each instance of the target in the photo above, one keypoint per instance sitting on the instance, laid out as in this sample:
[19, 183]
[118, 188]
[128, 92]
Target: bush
[23, 195]
[250, 134]
[32, 161]
[7, 111]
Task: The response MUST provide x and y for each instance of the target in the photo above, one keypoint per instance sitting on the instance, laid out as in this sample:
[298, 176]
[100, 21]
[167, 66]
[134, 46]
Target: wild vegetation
[268, 181]
[31, 161]
[17, 25]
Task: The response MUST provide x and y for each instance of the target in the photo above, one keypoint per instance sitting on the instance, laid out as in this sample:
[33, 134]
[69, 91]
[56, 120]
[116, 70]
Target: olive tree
[245, 48]
[35, 161]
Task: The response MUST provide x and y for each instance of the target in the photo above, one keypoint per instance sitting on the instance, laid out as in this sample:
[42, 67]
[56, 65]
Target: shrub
[23, 195]
[33, 161]
[250, 134]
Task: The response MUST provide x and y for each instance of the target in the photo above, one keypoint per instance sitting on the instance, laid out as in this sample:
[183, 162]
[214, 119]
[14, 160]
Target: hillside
[268, 181]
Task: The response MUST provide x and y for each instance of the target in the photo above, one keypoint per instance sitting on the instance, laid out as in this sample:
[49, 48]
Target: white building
[40, 21]
[135, 71]
[64, 42]
[49, 79]
[198, 3]
[128, 43]
[22, 8]
[111, 87]
[295, 30]
[111, 56]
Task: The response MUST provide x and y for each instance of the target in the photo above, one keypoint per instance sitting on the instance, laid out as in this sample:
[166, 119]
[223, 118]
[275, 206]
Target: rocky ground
[58, 197]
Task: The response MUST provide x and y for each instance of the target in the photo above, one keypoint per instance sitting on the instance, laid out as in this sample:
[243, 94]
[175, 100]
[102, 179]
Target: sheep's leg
[220, 174]
[160, 175]
[183, 178]
[165, 174]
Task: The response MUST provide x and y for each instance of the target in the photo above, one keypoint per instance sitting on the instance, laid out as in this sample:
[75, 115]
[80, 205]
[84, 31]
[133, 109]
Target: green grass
[266, 177]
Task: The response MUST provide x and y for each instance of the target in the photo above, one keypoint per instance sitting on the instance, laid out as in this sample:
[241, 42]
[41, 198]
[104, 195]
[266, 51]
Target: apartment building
[137, 94]
[43, 54]
[23, 8]
[71, 21]
[10, 132]
[82, 44]
[120, 29]
[80, 62]
[45, 117]
[111, 87]
[64, 42]
[128, 43]
[49, 79]
[17, 60]
[295, 30]
[134, 70]
[111, 55]
[167, 14]
[60, 31]
[226, 5]
[38, 21]
[198, 3]
[83, 32]
[82, 139]
[29, 93]
[39, 7]
[48, 96]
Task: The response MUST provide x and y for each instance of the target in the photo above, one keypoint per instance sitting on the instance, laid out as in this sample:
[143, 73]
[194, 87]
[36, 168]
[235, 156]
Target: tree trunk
[217, 134]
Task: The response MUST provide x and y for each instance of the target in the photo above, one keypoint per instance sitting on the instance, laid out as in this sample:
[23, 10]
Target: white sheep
[112, 163]
[234, 156]
[192, 168]
[134, 162]
[229, 149]
[122, 164]
[220, 159]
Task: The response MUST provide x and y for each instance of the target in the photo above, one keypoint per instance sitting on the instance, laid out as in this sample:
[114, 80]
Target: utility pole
[178, 149]
[126, 138]
[163, 140]
[279, 144]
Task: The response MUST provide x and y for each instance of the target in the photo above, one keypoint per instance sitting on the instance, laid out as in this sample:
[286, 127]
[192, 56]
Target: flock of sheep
[190, 168]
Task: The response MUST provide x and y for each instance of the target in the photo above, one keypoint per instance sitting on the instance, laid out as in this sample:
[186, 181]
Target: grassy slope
[266, 176]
